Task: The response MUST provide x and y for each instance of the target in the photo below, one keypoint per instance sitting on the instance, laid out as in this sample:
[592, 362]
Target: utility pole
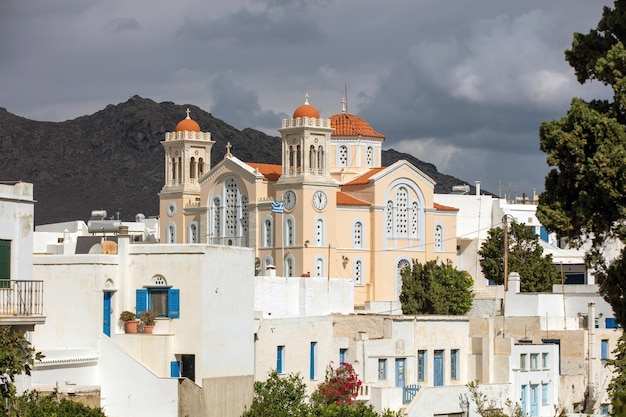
[505, 227]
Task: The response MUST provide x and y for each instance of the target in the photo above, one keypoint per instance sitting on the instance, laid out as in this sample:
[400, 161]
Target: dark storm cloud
[247, 29]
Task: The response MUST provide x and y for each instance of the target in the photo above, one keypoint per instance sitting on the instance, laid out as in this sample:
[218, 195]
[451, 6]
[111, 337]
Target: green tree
[17, 356]
[436, 288]
[585, 190]
[525, 256]
[279, 396]
[31, 404]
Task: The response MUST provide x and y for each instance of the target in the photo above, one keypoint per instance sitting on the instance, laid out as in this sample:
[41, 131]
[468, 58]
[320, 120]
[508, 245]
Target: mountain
[113, 159]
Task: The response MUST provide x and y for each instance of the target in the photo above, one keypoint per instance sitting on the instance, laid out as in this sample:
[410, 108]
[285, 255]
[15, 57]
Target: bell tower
[187, 159]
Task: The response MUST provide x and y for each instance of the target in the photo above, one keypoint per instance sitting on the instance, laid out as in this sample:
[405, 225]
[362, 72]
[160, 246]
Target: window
[544, 394]
[320, 232]
[402, 196]
[280, 358]
[320, 267]
[193, 233]
[289, 232]
[438, 368]
[357, 235]
[5, 263]
[421, 365]
[544, 361]
[438, 238]
[268, 239]
[522, 361]
[164, 301]
[402, 263]
[534, 361]
[313, 357]
[343, 156]
[604, 350]
[382, 369]
[454, 364]
[289, 262]
[358, 272]
[605, 409]
[171, 233]
[343, 355]
[370, 157]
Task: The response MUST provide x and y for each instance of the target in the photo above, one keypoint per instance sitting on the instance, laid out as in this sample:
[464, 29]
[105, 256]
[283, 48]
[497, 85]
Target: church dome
[306, 110]
[350, 125]
[188, 124]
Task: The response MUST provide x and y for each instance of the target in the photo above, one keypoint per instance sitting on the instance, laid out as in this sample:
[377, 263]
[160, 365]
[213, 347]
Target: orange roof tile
[270, 172]
[344, 199]
[350, 125]
[363, 179]
[444, 208]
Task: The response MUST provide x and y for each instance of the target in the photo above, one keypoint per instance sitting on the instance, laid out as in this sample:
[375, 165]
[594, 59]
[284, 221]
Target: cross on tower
[228, 146]
[188, 113]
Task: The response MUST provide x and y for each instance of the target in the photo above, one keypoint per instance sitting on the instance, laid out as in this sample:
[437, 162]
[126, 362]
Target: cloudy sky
[458, 83]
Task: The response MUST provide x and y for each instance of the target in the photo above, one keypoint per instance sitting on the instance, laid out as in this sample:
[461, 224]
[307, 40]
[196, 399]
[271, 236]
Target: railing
[21, 298]
[409, 392]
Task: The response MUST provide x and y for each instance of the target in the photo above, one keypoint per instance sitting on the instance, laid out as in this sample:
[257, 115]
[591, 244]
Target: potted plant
[148, 320]
[130, 321]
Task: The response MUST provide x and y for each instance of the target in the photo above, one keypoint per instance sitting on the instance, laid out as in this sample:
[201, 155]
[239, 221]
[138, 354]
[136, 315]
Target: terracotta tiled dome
[306, 110]
[350, 125]
[188, 124]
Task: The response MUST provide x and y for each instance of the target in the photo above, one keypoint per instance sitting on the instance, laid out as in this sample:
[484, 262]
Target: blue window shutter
[173, 303]
[175, 369]
[141, 301]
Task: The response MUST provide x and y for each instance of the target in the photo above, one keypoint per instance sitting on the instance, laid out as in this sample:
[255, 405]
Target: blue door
[106, 313]
[534, 400]
[438, 368]
[523, 399]
[400, 372]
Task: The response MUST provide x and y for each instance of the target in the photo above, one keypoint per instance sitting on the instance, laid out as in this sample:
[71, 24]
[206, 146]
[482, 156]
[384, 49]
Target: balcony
[21, 303]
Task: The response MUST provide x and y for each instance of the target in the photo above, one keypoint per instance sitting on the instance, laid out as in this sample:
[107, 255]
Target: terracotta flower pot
[130, 326]
[148, 329]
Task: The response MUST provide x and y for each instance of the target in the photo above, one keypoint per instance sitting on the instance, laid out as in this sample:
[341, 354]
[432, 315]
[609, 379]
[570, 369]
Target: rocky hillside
[113, 159]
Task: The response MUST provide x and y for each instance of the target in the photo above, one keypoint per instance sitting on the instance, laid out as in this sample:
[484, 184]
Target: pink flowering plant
[340, 387]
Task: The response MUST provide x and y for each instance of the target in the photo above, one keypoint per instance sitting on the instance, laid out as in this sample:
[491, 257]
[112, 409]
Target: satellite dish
[96, 249]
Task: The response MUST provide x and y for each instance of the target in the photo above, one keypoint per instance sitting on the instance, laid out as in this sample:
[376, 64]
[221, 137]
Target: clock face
[289, 200]
[320, 200]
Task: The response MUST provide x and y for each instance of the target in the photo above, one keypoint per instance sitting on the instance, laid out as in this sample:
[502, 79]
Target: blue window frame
[454, 364]
[343, 355]
[544, 394]
[280, 358]
[604, 350]
[382, 369]
[438, 368]
[313, 355]
[421, 365]
[165, 301]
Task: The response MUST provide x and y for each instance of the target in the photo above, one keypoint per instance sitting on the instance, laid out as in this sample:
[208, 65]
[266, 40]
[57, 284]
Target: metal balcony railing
[21, 298]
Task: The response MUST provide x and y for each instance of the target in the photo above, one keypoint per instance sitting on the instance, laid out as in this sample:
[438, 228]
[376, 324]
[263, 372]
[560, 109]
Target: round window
[171, 209]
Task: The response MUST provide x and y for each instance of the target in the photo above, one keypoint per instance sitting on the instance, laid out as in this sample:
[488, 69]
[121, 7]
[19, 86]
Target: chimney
[477, 187]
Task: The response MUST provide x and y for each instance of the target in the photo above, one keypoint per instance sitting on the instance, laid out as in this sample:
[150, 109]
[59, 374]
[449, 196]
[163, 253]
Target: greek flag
[277, 207]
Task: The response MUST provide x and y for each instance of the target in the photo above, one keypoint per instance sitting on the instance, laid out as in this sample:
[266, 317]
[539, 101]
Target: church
[329, 210]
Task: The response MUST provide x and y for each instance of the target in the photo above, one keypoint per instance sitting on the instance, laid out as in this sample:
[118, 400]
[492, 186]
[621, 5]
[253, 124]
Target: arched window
[357, 234]
[268, 232]
[320, 232]
[319, 267]
[401, 211]
[174, 170]
[404, 214]
[180, 170]
[402, 263]
[200, 167]
[291, 156]
[192, 167]
[312, 159]
[358, 272]
[298, 159]
[171, 233]
[230, 205]
[289, 265]
[320, 159]
[290, 230]
[217, 219]
[438, 238]
[342, 156]
[244, 220]
[369, 158]
[267, 261]
[192, 232]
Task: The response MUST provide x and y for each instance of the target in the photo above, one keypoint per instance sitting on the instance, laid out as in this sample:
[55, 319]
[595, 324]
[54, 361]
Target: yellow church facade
[329, 210]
